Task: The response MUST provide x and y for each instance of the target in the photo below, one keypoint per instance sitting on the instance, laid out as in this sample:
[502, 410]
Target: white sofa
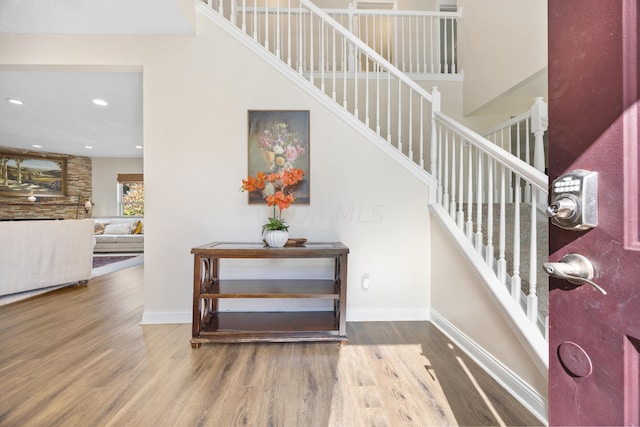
[119, 234]
[43, 254]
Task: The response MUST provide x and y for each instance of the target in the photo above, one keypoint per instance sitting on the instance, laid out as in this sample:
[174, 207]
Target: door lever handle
[574, 268]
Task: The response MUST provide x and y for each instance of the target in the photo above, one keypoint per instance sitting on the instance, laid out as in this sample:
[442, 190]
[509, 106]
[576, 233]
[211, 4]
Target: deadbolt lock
[574, 200]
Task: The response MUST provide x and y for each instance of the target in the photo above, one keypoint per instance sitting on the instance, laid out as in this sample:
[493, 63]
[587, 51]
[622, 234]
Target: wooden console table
[211, 325]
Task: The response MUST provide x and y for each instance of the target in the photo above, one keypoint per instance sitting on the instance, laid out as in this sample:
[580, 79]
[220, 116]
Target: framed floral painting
[279, 141]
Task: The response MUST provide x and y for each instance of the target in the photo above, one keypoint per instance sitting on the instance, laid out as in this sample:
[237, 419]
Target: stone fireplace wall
[69, 207]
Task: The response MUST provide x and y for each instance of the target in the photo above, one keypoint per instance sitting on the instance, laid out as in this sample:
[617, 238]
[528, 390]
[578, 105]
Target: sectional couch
[119, 234]
[48, 254]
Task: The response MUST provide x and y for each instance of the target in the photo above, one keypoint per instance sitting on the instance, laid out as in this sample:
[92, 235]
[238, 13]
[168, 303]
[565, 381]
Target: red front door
[594, 345]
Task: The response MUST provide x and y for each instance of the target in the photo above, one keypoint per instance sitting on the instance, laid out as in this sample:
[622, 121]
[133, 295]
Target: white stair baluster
[289, 33]
[502, 262]
[469, 224]
[366, 92]
[422, 132]
[411, 125]
[488, 255]
[452, 206]
[478, 236]
[344, 72]
[532, 297]
[322, 56]
[333, 68]
[453, 47]
[399, 115]
[378, 99]
[389, 107]
[461, 186]
[445, 195]
[516, 281]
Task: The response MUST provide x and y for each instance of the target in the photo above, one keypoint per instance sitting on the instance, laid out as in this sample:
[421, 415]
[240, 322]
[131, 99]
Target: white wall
[457, 296]
[105, 184]
[501, 44]
[197, 91]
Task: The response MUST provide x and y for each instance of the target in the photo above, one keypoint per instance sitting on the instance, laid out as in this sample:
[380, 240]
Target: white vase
[276, 238]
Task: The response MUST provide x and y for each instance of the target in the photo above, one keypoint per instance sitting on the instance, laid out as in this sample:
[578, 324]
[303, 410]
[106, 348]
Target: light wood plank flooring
[78, 357]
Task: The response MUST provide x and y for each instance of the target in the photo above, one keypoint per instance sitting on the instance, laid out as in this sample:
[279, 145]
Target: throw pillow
[118, 229]
[98, 228]
[137, 227]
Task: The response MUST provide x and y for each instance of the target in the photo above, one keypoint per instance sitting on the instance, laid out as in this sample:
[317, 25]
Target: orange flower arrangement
[275, 191]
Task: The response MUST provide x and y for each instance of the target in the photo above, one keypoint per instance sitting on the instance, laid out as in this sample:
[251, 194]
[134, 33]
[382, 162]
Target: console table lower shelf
[269, 327]
[210, 324]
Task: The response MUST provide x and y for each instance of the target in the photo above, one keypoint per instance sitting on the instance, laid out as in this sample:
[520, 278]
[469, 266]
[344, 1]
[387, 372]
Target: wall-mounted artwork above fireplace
[22, 175]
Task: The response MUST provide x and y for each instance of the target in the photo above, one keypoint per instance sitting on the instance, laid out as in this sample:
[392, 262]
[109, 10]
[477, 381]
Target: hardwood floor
[78, 357]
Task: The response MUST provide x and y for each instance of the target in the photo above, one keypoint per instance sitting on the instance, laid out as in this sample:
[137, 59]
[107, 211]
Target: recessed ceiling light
[15, 101]
[36, 146]
[88, 147]
[139, 147]
[100, 102]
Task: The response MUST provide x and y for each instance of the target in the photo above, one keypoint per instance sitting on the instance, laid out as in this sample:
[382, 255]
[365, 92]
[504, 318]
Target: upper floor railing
[416, 42]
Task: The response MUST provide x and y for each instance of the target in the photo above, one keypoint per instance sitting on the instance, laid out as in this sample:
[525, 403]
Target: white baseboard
[519, 389]
[387, 315]
[374, 315]
[165, 317]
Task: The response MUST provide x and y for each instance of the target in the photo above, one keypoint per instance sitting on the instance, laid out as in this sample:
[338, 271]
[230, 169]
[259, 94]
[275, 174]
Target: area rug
[100, 261]
[105, 264]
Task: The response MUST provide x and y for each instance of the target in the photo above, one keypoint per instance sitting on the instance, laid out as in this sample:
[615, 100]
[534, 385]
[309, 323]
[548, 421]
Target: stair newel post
[435, 108]
[539, 122]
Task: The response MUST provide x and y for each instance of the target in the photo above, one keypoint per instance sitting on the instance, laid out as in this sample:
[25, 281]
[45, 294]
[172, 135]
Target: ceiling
[57, 113]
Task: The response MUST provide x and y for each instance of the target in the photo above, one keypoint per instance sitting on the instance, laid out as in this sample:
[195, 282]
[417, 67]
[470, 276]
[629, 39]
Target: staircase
[477, 187]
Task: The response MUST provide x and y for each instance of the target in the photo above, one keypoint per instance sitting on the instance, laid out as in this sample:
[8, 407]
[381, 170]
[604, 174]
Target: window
[130, 195]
